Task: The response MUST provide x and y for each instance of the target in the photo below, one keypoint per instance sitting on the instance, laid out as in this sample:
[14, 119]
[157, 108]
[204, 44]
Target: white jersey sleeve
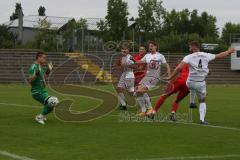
[186, 59]
[129, 61]
[144, 59]
[163, 59]
[210, 56]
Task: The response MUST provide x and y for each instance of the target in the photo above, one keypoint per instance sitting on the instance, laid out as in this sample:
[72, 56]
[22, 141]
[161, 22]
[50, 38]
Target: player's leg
[161, 100]
[147, 101]
[192, 99]
[183, 92]
[140, 90]
[129, 83]
[173, 89]
[201, 94]
[42, 97]
[121, 97]
[200, 90]
[149, 82]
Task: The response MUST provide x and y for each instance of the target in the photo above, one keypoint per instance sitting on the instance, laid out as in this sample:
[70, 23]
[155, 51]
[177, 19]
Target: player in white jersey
[126, 81]
[154, 61]
[198, 71]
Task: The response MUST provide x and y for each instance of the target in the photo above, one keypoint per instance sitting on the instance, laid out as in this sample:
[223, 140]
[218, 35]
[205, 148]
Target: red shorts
[179, 85]
[138, 78]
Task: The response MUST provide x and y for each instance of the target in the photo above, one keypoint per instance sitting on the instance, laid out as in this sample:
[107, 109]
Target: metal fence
[92, 67]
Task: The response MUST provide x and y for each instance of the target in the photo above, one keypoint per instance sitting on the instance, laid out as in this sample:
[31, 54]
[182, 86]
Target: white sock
[192, 96]
[122, 99]
[141, 103]
[202, 111]
[147, 100]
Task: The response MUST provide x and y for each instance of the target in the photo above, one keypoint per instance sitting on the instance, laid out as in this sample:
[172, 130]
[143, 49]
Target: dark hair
[194, 43]
[126, 47]
[153, 42]
[39, 54]
[142, 46]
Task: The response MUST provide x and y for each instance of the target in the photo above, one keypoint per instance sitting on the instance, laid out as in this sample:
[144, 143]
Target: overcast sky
[224, 10]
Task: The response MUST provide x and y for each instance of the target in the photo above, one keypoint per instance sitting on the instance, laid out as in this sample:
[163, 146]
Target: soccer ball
[53, 101]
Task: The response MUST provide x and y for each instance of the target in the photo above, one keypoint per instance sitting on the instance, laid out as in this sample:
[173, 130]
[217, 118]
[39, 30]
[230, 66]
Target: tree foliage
[116, 23]
[151, 15]
[7, 40]
[190, 22]
[41, 11]
[228, 29]
[18, 8]
[45, 37]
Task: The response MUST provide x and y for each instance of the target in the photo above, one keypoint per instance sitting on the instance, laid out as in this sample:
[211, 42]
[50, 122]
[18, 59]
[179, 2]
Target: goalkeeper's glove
[50, 67]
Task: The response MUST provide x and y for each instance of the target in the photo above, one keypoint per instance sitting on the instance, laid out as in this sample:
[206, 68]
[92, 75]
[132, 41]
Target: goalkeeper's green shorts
[41, 96]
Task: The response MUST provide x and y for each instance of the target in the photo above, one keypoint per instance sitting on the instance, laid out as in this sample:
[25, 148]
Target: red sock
[174, 106]
[160, 101]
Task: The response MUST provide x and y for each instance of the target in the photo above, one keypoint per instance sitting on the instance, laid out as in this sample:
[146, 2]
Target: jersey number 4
[200, 64]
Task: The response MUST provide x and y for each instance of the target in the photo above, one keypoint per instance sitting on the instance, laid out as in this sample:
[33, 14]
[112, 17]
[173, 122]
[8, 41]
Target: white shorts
[149, 82]
[126, 83]
[197, 87]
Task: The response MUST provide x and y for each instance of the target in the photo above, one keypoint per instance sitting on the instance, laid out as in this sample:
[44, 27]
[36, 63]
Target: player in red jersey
[176, 86]
[140, 72]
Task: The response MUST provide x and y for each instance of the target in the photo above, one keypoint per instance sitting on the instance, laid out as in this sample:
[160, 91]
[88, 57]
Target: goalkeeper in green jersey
[37, 80]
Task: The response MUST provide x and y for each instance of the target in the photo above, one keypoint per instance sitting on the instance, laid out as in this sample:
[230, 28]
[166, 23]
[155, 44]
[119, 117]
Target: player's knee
[119, 89]
[201, 100]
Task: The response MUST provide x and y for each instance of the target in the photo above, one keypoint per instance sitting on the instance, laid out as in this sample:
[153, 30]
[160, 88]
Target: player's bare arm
[176, 71]
[225, 54]
[166, 65]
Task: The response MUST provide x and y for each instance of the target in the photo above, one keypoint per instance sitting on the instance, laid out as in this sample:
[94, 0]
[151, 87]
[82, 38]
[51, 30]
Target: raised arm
[176, 71]
[225, 54]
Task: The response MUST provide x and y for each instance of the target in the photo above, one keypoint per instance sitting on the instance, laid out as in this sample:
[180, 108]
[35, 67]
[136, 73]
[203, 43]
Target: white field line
[195, 157]
[112, 115]
[14, 156]
[20, 105]
[213, 126]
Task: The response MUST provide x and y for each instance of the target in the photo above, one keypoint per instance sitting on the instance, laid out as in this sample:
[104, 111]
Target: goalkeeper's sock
[202, 111]
[160, 101]
[46, 110]
[147, 100]
[122, 99]
[141, 103]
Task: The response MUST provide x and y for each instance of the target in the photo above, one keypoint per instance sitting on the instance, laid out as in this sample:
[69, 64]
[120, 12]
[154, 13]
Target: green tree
[150, 15]
[41, 11]
[7, 40]
[230, 29]
[209, 25]
[18, 7]
[116, 24]
[45, 37]
[81, 24]
[190, 22]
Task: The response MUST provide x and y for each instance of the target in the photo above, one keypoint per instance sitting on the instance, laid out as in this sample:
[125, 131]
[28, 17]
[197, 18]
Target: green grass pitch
[107, 138]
